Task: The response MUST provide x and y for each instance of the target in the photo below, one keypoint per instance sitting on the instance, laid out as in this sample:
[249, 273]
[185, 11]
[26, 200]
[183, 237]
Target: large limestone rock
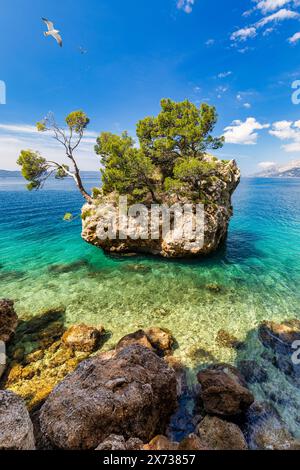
[224, 391]
[216, 190]
[130, 393]
[221, 435]
[16, 429]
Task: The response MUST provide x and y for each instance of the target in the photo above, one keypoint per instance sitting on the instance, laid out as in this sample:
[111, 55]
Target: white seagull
[52, 32]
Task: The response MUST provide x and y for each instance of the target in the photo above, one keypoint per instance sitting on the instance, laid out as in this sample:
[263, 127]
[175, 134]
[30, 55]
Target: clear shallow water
[258, 272]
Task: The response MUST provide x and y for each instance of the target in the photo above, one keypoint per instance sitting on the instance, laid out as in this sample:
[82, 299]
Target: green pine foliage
[170, 155]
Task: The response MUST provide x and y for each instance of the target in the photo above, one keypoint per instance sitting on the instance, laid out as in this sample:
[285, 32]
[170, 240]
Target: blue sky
[241, 56]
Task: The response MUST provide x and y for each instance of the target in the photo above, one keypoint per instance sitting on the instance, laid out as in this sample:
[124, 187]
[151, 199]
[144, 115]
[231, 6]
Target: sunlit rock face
[180, 240]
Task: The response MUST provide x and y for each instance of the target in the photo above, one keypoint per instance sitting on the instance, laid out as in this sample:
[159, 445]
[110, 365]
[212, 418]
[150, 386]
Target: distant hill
[7, 174]
[287, 170]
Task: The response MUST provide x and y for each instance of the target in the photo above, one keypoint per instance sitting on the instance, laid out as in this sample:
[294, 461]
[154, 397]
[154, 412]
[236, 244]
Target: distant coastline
[17, 174]
[287, 170]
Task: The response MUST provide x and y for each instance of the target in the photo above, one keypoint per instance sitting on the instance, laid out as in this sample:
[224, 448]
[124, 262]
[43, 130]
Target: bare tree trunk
[79, 184]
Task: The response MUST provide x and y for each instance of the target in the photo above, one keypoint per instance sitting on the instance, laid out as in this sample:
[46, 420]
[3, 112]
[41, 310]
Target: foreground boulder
[221, 435]
[224, 391]
[8, 320]
[130, 393]
[82, 337]
[16, 429]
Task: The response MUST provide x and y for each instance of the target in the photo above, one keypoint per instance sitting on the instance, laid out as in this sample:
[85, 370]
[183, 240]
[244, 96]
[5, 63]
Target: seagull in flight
[52, 31]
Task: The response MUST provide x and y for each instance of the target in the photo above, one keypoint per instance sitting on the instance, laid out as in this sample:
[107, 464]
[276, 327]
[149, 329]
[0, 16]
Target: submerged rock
[138, 337]
[218, 434]
[8, 320]
[227, 340]
[279, 340]
[68, 268]
[280, 336]
[37, 360]
[224, 391]
[252, 371]
[265, 429]
[132, 393]
[16, 429]
[82, 337]
[213, 287]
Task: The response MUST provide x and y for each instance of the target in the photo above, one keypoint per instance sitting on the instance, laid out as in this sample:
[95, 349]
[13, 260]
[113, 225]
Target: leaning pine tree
[36, 169]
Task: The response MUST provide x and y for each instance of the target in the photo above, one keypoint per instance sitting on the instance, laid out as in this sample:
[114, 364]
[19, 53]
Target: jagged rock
[16, 429]
[138, 337]
[8, 320]
[265, 429]
[82, 337]
[114, 442]
[279, 339]
[36, 359]
[192, 442]
[161, 442]
[132, 393]
[252, 371]
[218, 434]
[217, 191]
[280, 336]
[213, 287]
[223, 390]
[226, 340]
[161, 339]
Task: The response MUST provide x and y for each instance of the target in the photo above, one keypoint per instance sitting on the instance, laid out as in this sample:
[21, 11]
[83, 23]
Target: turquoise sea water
[44, 264]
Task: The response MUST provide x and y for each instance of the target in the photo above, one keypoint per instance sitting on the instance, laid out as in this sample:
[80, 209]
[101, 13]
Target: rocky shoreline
[60, 391]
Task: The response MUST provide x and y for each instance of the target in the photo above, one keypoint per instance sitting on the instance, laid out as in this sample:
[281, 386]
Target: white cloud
[16, 137]
[295, 38]
[280, 15]
[287, 131]
[224, 74]
[186, 5]
[243, 34]
[243, 133]
[210, 42]
[266, 6]
[247, 105]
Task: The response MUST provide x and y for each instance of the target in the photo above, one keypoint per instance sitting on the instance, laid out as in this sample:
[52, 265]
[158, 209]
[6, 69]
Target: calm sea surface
[258, 273]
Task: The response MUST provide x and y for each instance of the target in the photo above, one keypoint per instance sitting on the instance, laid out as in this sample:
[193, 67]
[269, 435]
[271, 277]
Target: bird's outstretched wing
[49, 24]
[58, 38]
